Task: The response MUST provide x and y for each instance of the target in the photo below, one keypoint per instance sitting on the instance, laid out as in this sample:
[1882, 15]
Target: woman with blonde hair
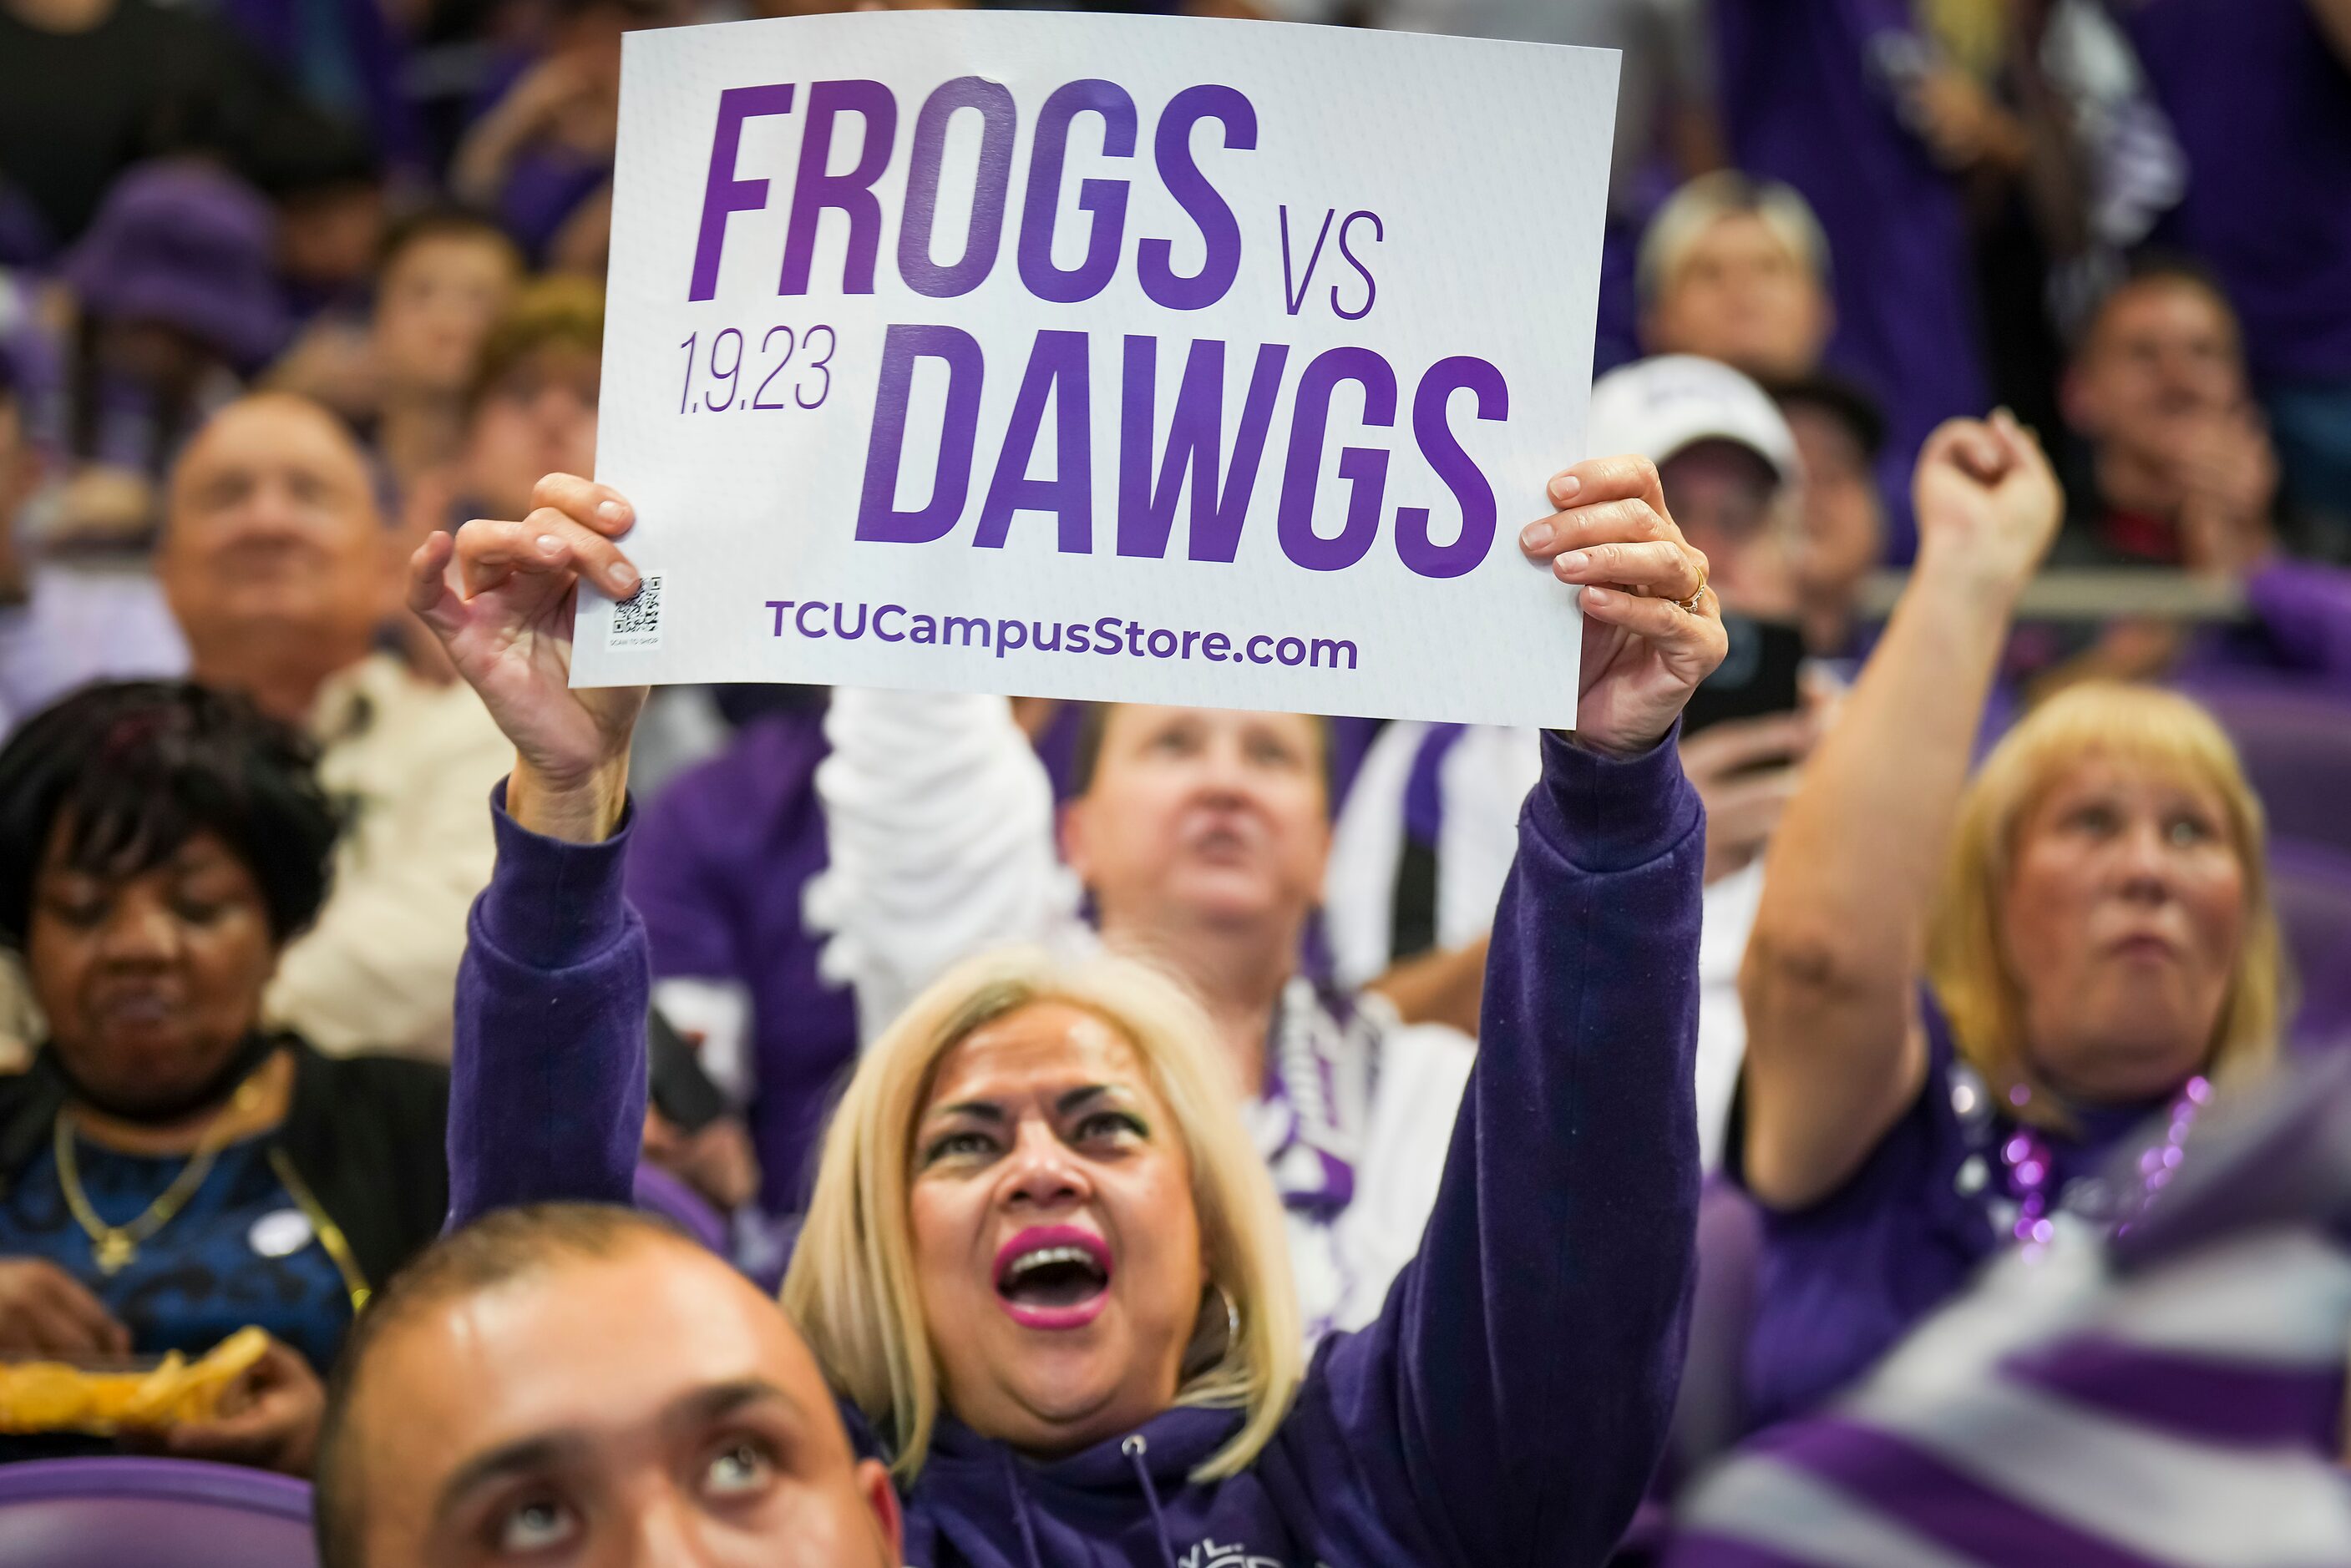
[1043, 1264]
[1965, 1002]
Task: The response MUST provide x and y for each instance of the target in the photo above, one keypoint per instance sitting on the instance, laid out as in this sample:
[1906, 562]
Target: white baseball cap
[1657, 407]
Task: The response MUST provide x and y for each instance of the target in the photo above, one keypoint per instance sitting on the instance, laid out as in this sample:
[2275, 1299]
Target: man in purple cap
[177, 288]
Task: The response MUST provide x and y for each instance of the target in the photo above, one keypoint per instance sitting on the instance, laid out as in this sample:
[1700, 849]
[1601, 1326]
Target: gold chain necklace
[116, 1247]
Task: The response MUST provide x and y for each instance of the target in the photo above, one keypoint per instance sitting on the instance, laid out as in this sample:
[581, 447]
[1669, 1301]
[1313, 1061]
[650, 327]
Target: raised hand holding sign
[1132, 357]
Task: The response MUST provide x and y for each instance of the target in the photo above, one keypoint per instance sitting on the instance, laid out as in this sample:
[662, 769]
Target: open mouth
[1054, 1277]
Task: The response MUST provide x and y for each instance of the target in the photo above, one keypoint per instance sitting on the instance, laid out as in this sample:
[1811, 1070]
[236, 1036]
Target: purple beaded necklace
[2030, 1163]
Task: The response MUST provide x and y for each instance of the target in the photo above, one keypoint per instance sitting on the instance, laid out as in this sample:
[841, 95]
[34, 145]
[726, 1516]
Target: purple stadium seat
[2312, 887]
[657, 1191]
[152, 1513]
[2296, 739]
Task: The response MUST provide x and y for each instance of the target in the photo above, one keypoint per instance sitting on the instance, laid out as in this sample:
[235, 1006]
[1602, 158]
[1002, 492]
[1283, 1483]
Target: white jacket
[940, 831]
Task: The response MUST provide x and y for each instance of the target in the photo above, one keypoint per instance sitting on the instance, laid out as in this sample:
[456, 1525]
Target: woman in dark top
[172, 1169]
[1965, 1001]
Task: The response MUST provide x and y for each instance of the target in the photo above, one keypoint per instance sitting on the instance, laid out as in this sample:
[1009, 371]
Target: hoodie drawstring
[1020, 1508]
[1138, 1450]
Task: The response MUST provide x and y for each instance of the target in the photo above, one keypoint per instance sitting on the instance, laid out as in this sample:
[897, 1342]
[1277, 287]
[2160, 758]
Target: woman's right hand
[500, 596]
[44, 1311]
[1988, 504]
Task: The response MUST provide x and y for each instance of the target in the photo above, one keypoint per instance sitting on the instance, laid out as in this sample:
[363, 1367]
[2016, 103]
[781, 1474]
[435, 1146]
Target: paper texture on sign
[1126, 358]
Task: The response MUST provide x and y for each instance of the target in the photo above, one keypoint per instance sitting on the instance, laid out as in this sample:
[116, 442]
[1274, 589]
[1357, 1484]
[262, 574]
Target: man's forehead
[2156, 305]
[583, 1342]
[272, 429]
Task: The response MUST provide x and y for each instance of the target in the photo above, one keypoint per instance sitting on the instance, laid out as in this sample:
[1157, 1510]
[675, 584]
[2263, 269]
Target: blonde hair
[1705, 202]
[852, 1285]
[2139, 724]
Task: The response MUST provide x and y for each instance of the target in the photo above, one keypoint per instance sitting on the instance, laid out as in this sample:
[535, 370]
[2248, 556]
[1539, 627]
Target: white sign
[1091, 357]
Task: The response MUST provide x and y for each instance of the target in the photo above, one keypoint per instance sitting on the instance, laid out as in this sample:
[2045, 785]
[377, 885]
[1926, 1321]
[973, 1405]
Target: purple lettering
[780, 606]
[998, 121]
[1172, 150]
[1365, 469]
[850, 193]
[1293, 297]
[1147, 512]
[1057, 368]
[723, 194]
[799, 619]
[1104, 199]
[1371, 289]
[877, 514]
[898, 610]
[1431, 430]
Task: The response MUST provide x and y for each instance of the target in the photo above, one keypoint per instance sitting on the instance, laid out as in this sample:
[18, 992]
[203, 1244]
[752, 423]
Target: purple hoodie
[1512, 1398]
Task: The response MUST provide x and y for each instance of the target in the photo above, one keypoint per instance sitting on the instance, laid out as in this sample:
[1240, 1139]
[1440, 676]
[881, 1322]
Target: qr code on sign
[637, 619]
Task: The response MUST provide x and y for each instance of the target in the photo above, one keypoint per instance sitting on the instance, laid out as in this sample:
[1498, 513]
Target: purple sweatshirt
[1508, 1404]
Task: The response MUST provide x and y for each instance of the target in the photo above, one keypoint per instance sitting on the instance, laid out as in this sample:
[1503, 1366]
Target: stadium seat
[123, 1512]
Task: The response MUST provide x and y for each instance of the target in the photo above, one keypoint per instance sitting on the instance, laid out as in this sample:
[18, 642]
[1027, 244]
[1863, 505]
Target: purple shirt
[1839, 1281]
[2262, 105]
[716, 868]
[1511, 1398]
[1808, 98]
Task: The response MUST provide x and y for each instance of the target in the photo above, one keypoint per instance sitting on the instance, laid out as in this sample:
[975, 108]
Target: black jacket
[364, 1134]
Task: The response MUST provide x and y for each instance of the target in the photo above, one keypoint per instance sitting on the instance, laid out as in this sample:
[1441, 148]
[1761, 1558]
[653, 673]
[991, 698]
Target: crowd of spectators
[1996, 355]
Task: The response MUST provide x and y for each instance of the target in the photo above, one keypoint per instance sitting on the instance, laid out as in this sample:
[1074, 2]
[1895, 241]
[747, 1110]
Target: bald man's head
[582, 1381]
[275, 557]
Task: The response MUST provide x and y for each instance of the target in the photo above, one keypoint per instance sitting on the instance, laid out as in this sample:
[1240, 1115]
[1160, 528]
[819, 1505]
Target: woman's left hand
[1643, 652]
[269, 1418]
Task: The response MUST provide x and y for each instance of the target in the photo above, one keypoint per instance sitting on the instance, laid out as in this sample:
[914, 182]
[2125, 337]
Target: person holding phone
[1431, 821]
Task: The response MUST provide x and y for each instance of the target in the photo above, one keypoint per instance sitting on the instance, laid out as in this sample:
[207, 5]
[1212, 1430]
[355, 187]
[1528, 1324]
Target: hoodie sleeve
[547, 1095]
[938, 841]
[1514, 1395]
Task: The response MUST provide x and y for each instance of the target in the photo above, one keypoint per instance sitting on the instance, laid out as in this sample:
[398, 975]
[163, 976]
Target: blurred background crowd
[288, 285]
